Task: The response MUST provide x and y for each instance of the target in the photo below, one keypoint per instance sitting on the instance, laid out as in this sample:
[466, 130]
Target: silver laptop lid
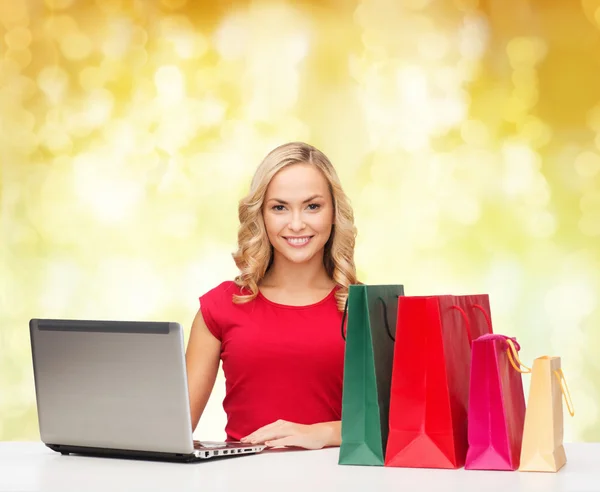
[111, 384]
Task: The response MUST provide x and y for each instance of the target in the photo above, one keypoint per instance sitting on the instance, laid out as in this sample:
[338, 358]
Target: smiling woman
[276, 328]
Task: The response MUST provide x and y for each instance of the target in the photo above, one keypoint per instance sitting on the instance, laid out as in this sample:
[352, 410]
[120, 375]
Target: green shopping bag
[371, 311]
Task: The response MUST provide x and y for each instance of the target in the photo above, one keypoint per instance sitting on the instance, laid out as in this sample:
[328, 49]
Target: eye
[314, 206]
[278, 208]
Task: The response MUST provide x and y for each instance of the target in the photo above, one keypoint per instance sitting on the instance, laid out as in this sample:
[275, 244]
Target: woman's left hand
[284, 433]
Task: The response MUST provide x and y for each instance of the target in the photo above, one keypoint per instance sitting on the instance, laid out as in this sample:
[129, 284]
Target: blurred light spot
[122, 136]
[18, 38]
[13, 13]
[540, 224]
[169, 84]
[524, 78]
[98, 183]
[58, 4]
[21, 57]
[61, 284]
[181, 225]
[433, 46]
[415, 4]
[58, 26]
[593, 118]
[23, 120]
[412, 85]
[587, 164]
[186, 41]
[538, 195]
[452, 110]
[98, 107]
[186, 46]
[504, 271]
[139, 36]
[173, 4]
[590, 225]
[53, 81]
[55, 138]
[521, 164]
[118, 38]
[110, 7]
[526, 95]
[131, 288]
[515, 109]
[91, 78]
[464, 209]
[473, 37]
[524, 52]
[466, 5]
[211, 111]
[138, 57]
[590, 203]
[76, 46]
[536, 132]
[474, 132]
[231, 38]
[586, 404]
[570, 302]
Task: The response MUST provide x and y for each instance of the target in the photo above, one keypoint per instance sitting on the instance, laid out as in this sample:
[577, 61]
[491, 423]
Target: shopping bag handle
[487, 316]
[385, 318]
[565, 391]
[466, 320]
[344, 318]
[513, 356]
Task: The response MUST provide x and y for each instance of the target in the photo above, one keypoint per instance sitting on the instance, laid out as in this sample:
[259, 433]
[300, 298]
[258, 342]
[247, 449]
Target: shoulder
[216, 306]
[221, 293]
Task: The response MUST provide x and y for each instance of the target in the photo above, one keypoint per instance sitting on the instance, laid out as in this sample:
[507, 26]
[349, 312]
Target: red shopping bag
[430, 379]
[496, 404]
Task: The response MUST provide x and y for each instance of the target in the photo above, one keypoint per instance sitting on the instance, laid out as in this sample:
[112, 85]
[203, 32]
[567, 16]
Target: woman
[277, 327]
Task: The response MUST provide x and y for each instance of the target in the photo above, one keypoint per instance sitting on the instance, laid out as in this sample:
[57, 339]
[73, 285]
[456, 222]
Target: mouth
[298, 242]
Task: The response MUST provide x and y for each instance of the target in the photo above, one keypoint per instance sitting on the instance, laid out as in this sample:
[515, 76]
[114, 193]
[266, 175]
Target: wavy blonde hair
[255, 253]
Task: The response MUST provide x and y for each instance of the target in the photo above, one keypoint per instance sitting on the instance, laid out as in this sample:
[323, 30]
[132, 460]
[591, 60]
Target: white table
[30, 466]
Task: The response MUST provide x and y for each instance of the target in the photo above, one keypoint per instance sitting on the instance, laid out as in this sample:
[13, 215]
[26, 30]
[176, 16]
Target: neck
[291, 276]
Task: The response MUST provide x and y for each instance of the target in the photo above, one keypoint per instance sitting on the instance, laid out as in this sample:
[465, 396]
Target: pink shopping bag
[496, 404]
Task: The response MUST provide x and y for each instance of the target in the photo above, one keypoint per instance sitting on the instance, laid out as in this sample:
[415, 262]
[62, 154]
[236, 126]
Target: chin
[298, 259]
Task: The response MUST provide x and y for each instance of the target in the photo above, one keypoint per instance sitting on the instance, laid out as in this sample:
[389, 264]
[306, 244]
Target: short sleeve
[214, 305]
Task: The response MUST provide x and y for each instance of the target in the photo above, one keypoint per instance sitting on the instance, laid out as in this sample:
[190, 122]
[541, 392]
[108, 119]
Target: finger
[266, 428]
[270, 434]
[285, 441]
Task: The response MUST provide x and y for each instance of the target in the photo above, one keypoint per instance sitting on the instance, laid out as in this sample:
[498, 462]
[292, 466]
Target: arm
[202, 363]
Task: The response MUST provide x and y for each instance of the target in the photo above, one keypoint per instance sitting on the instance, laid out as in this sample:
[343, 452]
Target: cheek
[322, 223]
[272, 224]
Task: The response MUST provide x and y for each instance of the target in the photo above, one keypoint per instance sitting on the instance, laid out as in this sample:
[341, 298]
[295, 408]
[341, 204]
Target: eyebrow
[283, 202]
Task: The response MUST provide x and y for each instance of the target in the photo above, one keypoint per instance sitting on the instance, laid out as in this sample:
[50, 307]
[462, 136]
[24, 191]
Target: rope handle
[466, 320]
[565, 391]
[344, 317]
[513, 356]
[385, 318]
[487, 316]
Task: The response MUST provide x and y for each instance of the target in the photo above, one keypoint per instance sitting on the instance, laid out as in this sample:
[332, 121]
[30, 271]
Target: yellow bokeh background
[466, 133]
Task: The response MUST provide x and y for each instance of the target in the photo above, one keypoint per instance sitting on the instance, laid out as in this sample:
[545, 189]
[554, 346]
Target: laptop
[117, 389]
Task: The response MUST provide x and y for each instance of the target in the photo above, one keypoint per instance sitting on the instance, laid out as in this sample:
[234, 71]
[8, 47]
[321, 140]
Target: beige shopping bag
[542, 449]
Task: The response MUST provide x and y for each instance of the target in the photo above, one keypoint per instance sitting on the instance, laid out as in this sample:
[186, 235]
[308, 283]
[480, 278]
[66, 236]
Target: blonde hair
[255, 253]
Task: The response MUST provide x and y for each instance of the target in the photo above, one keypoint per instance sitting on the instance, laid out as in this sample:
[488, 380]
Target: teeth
[298, 241]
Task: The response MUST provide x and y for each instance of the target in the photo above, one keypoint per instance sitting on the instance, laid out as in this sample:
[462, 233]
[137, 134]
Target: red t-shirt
[280, 362]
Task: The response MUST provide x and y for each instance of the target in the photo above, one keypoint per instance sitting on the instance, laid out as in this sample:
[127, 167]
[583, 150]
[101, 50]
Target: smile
[298, 242]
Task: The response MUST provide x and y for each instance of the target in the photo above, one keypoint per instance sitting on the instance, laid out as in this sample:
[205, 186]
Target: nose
[297, 224]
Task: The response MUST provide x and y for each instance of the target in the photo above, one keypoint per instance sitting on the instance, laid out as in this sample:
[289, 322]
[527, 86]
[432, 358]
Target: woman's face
[298, 212]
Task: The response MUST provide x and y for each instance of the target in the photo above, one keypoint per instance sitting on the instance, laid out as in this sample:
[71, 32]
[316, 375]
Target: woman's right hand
[202, 359]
